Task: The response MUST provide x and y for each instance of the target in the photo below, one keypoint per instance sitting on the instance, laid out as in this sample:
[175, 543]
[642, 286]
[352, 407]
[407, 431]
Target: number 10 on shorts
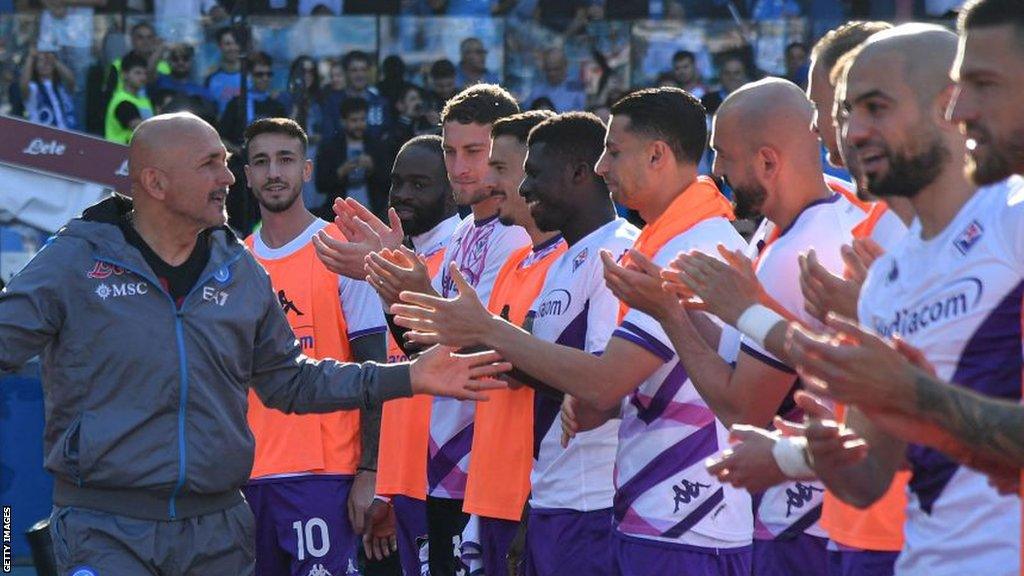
[313, 538]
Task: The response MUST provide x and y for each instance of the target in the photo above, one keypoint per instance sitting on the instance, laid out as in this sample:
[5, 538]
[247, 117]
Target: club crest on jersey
[102, 270]
[222, 275]
[579, 259]
[969, 237]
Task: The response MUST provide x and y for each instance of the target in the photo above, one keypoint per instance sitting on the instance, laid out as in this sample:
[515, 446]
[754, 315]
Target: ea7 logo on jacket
[211, 294]
[102, 270]
[105, 291]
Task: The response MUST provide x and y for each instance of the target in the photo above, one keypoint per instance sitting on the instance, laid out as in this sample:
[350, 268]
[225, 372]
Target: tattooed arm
[980, 430]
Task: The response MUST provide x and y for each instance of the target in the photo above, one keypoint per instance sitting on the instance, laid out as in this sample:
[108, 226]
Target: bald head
[160, 141]
[770, 112]
[921, 54]
[179, 174]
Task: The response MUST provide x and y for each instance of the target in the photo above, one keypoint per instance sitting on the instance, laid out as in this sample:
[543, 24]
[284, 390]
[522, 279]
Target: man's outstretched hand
[460, 321]
[441, 372]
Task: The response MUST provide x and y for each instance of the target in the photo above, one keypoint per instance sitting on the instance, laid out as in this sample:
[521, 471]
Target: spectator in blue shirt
[225, 82]
[567, 95]
[179, 81]
[472, 68]
[353, 164]
[355, 66]
[797, 63]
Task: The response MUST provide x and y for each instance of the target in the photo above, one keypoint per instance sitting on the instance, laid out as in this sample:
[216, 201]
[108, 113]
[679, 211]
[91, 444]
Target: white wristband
[757, 321]
[790, 454]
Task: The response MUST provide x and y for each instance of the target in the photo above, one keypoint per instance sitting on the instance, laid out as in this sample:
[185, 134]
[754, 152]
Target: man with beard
[880, 224]
[478, 248]
[303, 461]
[649, 162]
[179, 321]
[422, 200]
[765, 148]
[498, 480]
[861, 541]
[952, 289]
[569, 519]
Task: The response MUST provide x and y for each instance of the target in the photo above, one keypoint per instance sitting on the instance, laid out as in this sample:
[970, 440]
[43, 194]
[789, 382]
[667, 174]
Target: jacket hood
[99, 227]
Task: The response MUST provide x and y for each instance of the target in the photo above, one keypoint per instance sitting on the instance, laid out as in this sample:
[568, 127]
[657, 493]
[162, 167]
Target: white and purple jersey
[793, 508]
[576, 308]
[889, 230]
[480, 249]
[663, 492]
[957, 297]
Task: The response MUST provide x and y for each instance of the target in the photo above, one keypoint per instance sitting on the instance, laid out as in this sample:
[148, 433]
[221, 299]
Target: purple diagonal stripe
[697, 515]
[575, 333]
[448, 456]
[657, 346]
[663, 397]
[989, 364]
[801, 525]
[688, 451]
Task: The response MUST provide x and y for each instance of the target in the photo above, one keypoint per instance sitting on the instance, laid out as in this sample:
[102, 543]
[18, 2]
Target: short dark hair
[796, 44]
[431, 142]
[353, 105]
[479, 104]
[683, 55]
[133, 60]
[285, 126]
[576, 135]
[142, 24]
[352, 56]
[983, 13]
[404, 90]
[260, 59]
[224, 31]
[519, 125]
[838, 41]
[442, 69]
[669, 114]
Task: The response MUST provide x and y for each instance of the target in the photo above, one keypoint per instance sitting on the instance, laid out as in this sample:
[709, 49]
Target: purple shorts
[861, 563]
[561, 541]
[805, 555]
[496, 536]
[639, 557]
[411, 524]
[302, 525]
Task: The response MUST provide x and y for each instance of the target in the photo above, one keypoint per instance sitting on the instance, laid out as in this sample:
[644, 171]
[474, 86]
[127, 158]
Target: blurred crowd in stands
[102, 66]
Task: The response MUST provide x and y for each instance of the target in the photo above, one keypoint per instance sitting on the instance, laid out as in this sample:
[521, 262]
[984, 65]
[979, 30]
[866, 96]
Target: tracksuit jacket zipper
[179, 330]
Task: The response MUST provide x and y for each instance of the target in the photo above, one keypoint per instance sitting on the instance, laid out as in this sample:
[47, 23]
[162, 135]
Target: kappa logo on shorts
[319, 570]
[83, 571]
